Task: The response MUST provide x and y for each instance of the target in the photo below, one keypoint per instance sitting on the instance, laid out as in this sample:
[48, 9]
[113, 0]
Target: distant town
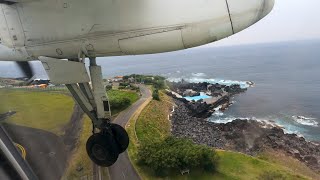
[121, 82]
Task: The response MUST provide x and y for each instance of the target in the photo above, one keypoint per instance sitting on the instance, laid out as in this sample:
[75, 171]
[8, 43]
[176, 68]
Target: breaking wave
[197, 78]
[266, 123]
[217, 111]
[305, 121]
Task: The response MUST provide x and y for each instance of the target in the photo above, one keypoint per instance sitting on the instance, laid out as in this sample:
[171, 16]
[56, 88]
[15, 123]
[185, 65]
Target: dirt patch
[72, 130]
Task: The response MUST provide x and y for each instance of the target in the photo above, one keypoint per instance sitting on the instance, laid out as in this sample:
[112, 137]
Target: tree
[155, 94]
[108, 87]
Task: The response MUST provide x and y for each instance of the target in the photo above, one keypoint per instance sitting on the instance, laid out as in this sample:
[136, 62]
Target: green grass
[235, 165]
[289, 162]
[153, 125]
[42, 110]
[120, 95]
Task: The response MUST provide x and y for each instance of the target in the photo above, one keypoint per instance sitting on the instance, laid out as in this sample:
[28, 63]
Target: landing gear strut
[108, 139]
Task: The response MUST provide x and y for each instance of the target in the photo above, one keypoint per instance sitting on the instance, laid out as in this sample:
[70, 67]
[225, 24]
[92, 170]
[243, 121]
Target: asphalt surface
[12, 165]
[48, 153]
[45, 150]
[123, 168]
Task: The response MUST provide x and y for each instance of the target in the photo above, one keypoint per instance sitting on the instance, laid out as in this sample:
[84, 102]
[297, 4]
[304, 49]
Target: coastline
[246, 136]
[252, 137]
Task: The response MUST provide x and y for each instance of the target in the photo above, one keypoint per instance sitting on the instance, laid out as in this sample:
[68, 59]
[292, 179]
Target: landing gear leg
[108, 139]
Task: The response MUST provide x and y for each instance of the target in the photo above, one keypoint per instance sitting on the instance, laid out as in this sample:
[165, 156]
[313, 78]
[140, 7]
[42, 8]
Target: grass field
[42, 110]
[153, 125]
[288, 162]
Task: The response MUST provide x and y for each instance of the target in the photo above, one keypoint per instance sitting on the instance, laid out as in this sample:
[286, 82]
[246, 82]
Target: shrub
[124, 84]
[174, 154]
[108, 87]
[120, 103]
[155, 94]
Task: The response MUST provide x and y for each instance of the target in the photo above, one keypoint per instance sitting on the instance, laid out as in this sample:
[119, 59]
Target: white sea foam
[216, 118]
[243, 84]
[217, 111]
[172, 79]
[197, 78]
[265, 123]
[307, 121]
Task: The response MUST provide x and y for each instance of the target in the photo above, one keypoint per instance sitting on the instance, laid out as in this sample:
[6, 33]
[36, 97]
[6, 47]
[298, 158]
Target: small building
[117, 79]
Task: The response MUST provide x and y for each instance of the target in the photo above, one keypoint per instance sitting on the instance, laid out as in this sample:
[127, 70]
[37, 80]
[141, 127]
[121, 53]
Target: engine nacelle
[61, 30]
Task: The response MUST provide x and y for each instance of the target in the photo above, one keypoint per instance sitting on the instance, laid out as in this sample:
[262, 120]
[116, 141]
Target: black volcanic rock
[201, 109]
[246, 136]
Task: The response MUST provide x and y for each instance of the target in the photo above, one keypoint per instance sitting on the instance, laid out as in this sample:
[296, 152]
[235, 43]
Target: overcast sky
[289, 20]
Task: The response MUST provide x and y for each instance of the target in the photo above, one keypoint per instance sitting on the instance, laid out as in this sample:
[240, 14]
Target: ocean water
[286, 77]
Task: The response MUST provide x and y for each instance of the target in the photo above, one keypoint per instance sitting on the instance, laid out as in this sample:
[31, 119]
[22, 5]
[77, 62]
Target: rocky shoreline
[246, 136]
[218, 96]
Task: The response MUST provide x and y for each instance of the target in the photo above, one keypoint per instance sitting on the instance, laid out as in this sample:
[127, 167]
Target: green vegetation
[120, 100]
[45, 110]
[157, 82]
[289, 163]
[174, 154]
[272, 175]
[152, 126]
[155, 95]
[235, 165]
[108, 87]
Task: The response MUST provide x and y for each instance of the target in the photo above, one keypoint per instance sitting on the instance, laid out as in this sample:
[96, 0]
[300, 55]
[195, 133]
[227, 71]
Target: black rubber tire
[121, 137]
[104, 146]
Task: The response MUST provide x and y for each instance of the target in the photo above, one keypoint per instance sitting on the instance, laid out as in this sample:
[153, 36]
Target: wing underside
[13, 1]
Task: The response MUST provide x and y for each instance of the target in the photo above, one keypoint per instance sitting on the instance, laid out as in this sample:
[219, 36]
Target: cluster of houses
[44, 83]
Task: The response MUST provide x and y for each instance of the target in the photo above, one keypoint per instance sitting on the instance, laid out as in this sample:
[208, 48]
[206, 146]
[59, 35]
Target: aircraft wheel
[102, 149]
[121, 137]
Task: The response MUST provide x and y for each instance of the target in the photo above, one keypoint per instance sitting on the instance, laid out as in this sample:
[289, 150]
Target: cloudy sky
[289, 20]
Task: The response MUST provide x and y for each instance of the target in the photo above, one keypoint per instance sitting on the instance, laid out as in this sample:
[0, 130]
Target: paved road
[123, 168]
